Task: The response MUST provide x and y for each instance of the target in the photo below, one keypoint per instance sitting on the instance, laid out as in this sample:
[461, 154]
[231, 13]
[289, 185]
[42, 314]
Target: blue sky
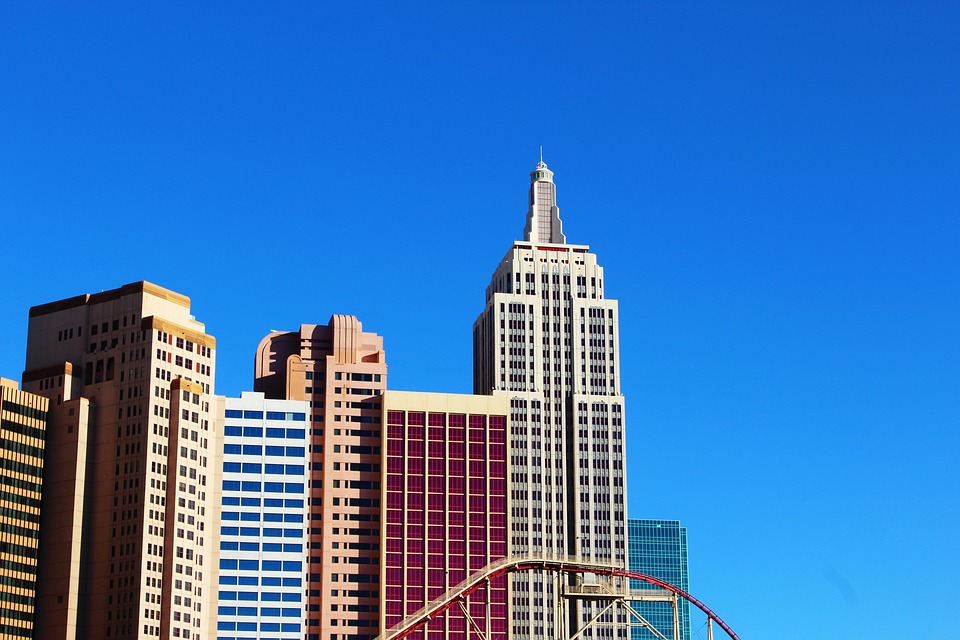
[772, 188]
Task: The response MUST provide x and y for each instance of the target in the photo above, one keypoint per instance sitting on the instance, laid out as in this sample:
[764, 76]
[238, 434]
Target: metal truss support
[473, 622]
[646, 623]
[559, 617]
[592, 620]
[676, 618]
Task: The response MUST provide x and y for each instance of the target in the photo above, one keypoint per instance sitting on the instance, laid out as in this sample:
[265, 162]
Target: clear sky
[772, 188]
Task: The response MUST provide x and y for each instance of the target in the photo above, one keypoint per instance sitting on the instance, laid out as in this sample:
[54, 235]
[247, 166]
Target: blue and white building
[263, 555]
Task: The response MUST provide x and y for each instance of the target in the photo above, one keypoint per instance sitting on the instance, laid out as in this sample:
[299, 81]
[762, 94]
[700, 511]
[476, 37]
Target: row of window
[263, 596]
[23, 410]
[272, 612]
[268, 547]
[256, 467]
[267, 517]
[264, 487]
[271, 415]
[257, 432]
[232, 501]
[252, 626]
[265, 565]
[256, 450]
[255, 532]
[22, 429]
[359, 377]
[266, 581]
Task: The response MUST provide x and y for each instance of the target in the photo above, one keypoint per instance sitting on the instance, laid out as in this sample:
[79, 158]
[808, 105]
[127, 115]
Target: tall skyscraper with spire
[549, 340]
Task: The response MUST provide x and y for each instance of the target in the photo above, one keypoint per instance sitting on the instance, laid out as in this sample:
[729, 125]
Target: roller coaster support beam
[476, 627]
[592, 620]
[646, 623]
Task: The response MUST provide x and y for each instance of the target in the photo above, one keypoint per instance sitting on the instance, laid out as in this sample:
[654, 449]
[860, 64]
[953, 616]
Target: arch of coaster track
[514, 564]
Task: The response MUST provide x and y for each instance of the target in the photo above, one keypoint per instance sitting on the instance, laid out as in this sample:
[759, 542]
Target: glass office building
[659, 548]
[263, 519]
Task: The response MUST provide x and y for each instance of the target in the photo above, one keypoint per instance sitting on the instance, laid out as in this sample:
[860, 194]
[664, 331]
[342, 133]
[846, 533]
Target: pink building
[445, 492]
[341, 370]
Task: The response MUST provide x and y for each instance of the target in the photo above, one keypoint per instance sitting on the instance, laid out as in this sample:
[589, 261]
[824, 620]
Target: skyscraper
[548, 339]
[133, 442]
[341, 371]
[263, 519]
[446, 512]
[658, 548]
[23, 426]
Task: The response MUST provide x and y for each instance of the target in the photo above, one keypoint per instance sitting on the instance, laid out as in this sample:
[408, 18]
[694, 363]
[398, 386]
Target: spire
[543, 216]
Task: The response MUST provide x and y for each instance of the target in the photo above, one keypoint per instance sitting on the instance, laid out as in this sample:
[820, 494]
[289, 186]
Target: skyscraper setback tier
[133, 443]
[548, 339]
[341, 371]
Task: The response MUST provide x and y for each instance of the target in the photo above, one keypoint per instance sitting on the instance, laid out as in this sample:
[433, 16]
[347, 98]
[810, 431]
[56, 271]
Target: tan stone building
[340, 369]
[23, 425]
[134, 442]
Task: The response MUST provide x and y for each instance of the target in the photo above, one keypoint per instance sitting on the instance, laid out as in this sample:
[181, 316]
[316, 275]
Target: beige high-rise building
[340, 369]
[23, 425]
[130, 517]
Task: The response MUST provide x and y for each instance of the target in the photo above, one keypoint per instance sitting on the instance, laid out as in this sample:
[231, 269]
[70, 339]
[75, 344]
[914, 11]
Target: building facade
[658, 548]
[263, 531]
[23, 426]
[340, 370]
[445, 492]
[548, 339]
[134, 441]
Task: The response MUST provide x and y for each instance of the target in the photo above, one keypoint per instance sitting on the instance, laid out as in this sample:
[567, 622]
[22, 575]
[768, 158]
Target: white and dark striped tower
[549, 340]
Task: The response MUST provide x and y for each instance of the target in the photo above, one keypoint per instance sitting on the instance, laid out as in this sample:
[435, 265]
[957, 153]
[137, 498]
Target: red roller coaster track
[529, 563]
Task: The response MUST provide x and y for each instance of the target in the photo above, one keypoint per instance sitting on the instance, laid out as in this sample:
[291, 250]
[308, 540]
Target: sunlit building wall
[130, 519]
[263, 519]
[548, 340]
[23, 426]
